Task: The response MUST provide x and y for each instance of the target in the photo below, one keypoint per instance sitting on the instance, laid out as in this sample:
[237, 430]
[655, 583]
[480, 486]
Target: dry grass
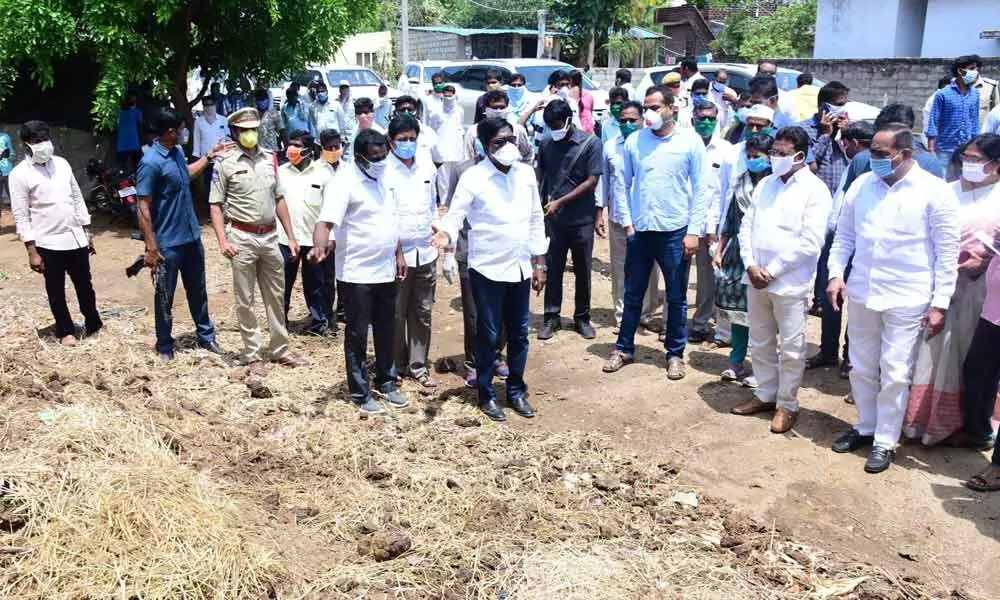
[140, 480]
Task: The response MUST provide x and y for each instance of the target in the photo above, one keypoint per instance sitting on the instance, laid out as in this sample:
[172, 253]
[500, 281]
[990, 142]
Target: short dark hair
[487, 128]
[32, 130]
[830, 91]
[699, 84]
[366, 139]
[668, 94]
[706, 105]
[965, 61]
[690, 64]
[518, 76]
[208, 99]
[623, 75]
[902, 138]
[493, 95]
[576, 78]
[896, 112]
[492, 73]
[633, 104]
[797, 136]
[804, 79]
[761, 142]
[303, 136]
[364, 105]
[619, 93]
[261, 94]
[438, 75]
[447, 87]
[860, 131]
[762, 85]
[319, 85]
[406, 100]
[329, 137]
[556, 76]
[165, 118]
[402, 123]
[989, 144]
[557, 110]
[765, 61]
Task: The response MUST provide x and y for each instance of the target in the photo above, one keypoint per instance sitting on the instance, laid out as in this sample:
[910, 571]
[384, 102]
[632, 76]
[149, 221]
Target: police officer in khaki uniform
[244, 192]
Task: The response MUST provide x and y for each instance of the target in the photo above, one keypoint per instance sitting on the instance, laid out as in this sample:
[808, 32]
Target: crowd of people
[785, 209]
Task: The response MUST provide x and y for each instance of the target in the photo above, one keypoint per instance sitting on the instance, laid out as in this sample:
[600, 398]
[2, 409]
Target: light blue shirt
[6, 164]
[610, 129]
[663, 176]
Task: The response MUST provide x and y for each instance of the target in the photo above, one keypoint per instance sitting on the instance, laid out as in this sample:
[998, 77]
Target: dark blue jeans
[981, 373]
[832, 320]
[189, 261]
[500, 304]
[665, 249]
[313, 285]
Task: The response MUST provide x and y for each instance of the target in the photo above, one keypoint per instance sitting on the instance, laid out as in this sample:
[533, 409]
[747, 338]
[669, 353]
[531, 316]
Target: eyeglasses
[501, 141]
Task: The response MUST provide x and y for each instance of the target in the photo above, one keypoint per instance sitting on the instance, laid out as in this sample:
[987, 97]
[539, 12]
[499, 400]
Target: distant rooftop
[644, 34]
[467, 32]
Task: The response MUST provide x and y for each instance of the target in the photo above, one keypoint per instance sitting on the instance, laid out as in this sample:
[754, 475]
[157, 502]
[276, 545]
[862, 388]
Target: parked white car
[415, 80]
[469, 77]
[364, 82]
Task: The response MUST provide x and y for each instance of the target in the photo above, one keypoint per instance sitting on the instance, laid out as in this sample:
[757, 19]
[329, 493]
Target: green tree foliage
[790, 31]
[161, 41]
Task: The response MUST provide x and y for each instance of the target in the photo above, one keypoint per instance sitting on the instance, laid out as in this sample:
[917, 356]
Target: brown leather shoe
[783, 420]
[753, 407]
[291, 361]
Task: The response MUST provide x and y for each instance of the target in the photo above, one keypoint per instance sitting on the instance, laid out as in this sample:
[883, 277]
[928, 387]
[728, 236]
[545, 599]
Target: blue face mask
[758, 164]
[516, 94]
[882, 167]
[480, 153]
[697, 99]
[406, 149]
[263, 105]
[323, 96]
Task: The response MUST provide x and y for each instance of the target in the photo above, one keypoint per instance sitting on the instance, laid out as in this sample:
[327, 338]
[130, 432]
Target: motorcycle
[113, 192]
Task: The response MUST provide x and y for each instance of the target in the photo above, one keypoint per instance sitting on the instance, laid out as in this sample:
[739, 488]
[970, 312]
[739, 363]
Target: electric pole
[404, 25]
[541, 32]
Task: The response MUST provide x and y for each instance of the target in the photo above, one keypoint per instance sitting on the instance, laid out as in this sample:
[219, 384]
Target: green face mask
[768, 131]
[439, 88]
[706, 127]
[628, 129]
[615, 110]
[248, 138]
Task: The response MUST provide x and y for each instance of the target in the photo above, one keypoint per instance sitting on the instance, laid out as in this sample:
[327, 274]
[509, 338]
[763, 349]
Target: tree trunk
[590, 46]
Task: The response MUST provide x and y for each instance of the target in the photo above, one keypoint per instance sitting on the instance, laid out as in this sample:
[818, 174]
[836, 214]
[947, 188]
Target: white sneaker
[738, 372]
[750, 381]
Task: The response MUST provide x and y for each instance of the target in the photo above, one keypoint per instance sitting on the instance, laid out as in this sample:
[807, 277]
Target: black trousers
[76, 264]
[982, 374]
[579, 241]
[369, 304]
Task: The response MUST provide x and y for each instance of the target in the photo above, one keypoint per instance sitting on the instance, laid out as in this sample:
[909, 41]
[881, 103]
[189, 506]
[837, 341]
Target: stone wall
[74, 145]
[432, 45]
[605, 78]
[881, 81]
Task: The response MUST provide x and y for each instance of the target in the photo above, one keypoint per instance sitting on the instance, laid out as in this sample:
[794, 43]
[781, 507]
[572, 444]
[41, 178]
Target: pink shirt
[991, 307]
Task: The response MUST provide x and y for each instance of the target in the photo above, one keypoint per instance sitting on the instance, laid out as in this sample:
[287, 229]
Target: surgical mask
[439, 88]
[332, 156]
[263, 105]
[496, 113]
[616, 110]
[781, 165]
[653, 118]
[747, 133]
[375, 170]
[507, 155]
[835, 110]
[706, 127]
[516, 94]
[697, 99]
[628, 129]
[882, 167]
[741, 115]
[559, 135]
[41, 152]
[296, 154]
[758, 164]
[719, 86]
[970, 76]
[322, 97]
[974, 172]
[449, 101]
[563, 92]
[248, 138]
[406, 149]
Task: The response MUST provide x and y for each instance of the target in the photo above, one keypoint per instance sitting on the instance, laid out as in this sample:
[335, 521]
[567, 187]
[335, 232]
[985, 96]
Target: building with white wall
[907, 28]
[365, 49]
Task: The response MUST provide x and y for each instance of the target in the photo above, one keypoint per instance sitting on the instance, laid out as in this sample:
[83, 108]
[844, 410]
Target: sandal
[983, 483]
[426, 381]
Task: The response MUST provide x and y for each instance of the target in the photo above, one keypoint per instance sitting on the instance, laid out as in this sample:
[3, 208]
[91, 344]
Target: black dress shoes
[212, 347]
[549, 328]
[492, 410]
[519, 404]
[879, 460]
[851, 441]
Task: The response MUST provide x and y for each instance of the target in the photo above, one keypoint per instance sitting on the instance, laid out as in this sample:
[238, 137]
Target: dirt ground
[916, 519]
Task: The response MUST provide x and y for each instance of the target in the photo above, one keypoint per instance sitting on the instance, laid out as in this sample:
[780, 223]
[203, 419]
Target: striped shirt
[954, 118]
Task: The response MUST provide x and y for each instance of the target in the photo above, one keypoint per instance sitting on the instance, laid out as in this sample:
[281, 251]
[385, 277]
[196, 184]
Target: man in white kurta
[780, 241]
[900, 223]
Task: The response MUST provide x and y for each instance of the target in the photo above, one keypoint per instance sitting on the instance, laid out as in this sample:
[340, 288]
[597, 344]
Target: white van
[364, 82]
[415, 80]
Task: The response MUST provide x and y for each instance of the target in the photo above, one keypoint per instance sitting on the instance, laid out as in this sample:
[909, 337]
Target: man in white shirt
[689, 74]
[992, 123]
[209, 130]
[52, 221]
[333, 154]
[532, 119]
[900, 223]
[780, 239]
[427, 146]
[613, 194]
[507, 244]
[301, 182]
[361, 206]
[723, 96]
[416, 211]
[448, 122]
[324, 114]
[497, 105]
[717, 170]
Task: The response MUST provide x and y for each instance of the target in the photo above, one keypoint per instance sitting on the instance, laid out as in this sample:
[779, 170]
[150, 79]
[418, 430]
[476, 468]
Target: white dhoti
[777, 345]
[883, 351]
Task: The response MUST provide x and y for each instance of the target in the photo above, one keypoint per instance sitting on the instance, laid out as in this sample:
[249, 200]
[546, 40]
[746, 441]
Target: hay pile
[128, 478]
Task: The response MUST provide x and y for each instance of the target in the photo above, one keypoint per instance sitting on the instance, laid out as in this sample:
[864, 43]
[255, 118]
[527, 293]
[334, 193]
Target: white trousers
[617, 240]
[883, 351]
[778, 345]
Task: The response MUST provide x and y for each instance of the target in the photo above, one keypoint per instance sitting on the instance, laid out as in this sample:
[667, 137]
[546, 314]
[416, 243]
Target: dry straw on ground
[127, 478]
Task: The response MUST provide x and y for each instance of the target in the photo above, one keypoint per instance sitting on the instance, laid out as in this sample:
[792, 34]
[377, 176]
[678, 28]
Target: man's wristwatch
[542, 268]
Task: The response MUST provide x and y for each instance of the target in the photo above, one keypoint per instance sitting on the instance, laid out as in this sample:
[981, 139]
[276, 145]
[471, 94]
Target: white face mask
[563, 92]
[781, 165]
[974, 172]
[496, 113]
[559, 135]
[507, 155]
[376, 169]
[41, 152]
[654, 120]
